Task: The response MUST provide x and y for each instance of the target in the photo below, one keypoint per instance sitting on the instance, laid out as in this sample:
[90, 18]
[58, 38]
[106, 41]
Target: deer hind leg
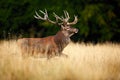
[24, 51]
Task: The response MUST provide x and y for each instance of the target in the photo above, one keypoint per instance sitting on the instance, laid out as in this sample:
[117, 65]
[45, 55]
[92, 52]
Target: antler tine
[46, 11]
[74, 22]
[67, 15]
[45, 14]
[37, 16]
[42, 12]
[56, 16]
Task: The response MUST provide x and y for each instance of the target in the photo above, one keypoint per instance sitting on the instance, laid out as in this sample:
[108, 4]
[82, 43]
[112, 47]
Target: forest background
[98, 20]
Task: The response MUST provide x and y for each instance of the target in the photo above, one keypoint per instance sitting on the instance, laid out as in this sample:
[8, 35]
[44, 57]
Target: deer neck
[61, 40]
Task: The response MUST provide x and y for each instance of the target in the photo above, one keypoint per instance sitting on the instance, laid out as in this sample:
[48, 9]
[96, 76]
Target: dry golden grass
[85, 62]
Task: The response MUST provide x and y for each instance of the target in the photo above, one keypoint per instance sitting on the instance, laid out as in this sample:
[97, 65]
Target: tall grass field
[84, 62]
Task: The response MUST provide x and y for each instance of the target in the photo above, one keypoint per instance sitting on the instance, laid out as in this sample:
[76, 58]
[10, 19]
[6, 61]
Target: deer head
[66, 28]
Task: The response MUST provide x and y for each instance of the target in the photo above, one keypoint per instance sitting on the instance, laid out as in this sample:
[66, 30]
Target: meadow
[84, 62]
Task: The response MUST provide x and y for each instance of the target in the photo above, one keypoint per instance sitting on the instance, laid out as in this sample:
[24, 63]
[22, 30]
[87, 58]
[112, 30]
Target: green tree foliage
[98, 20]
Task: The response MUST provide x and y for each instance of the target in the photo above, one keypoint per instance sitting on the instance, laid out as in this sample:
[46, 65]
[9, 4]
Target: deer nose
[76, 30]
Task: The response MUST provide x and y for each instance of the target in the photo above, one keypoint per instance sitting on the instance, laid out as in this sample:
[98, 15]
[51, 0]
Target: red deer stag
[51, 45]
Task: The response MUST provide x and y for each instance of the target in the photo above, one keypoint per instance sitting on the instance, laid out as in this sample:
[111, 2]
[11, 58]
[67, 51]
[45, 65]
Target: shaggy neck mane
[61, 40]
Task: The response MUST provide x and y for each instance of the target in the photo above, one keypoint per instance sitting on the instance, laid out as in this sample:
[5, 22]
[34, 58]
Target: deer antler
[66, 19]
[74, 22]
[63, 19]
[46, 18]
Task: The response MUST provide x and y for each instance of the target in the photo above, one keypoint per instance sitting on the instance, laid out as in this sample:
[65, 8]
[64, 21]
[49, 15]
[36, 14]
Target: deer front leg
[64, 55]
[50, 54]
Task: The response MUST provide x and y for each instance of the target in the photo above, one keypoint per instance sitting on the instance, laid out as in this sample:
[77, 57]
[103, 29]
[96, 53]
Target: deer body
[51, 45]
